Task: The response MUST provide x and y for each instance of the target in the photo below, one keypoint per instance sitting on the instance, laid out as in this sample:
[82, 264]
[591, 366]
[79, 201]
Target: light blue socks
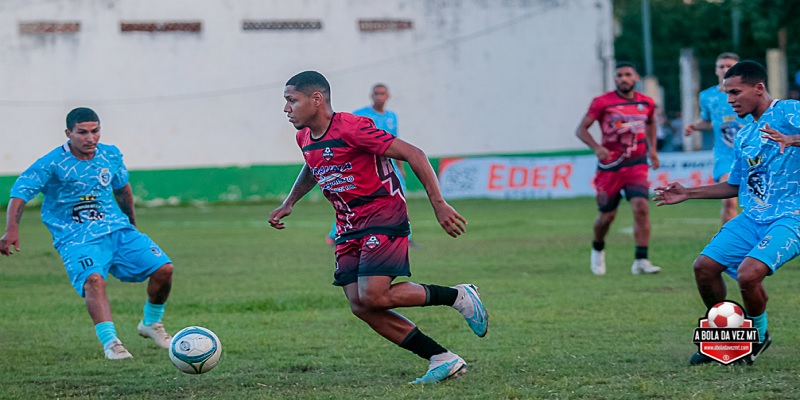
[152, 313]
[105, 333]
[760, 322]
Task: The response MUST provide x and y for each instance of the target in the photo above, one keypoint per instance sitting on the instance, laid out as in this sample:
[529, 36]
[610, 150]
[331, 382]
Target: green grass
[557, 331]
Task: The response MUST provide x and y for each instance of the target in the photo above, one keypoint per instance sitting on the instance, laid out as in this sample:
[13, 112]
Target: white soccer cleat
[598, 262]
[156, 332]
[116, 351]
[443, 367]
[644, 266]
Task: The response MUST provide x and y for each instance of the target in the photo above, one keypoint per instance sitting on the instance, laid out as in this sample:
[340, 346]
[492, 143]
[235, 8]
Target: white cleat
[117, 351]
[469, 304]
[156, 332]
[598, 262]
[444, 367]
[644, 266]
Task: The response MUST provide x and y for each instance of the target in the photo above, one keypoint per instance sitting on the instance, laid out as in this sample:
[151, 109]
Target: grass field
[556, 330]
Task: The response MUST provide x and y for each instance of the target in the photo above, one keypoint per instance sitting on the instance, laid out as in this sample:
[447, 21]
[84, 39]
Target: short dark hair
[623, 64]
[377, 85]
[81, 114]
[309, 82]
[728, 55]
[749, 71]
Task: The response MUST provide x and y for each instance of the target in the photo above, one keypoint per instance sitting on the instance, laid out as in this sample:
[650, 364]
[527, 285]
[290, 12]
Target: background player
[349, 158]
[717, 114]
[88, 209]
[627, 122]
[764, 173]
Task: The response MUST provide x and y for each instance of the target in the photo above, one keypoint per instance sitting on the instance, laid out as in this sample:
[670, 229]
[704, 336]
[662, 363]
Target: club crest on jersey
[764, 243]
[373, 242]
[156, 251]
[105, 176]
[327, 154]
[640, 107]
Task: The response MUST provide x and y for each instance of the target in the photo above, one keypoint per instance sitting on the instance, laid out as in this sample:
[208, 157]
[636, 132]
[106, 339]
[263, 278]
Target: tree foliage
[707, 27]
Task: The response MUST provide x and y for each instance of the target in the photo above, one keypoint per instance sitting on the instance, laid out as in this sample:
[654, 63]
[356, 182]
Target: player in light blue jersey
[764, 174]
[88, 209]
[717, 114]
[386, 120]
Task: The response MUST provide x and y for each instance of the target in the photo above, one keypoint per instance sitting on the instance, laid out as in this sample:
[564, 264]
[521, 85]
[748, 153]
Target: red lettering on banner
[494, 176]
[562, 172]
[502, 177]
[517, 183]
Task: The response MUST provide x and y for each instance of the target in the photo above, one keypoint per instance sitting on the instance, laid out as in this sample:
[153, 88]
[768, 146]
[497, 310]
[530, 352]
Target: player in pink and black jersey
[349, 158]
[627, 122]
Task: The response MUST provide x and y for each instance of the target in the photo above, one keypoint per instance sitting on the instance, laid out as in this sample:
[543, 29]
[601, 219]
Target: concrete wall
[469, 77]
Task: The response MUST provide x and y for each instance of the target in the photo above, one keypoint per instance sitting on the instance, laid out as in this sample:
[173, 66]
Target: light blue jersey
[769, 182]
[386, 120]
[79, 203]
[714, 108]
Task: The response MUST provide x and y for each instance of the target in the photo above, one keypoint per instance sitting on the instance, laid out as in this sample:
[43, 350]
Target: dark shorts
[610, 184]
[371, 255]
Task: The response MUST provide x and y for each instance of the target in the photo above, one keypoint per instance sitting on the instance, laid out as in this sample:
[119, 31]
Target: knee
[374, 302]
[748, 277]
[705, 269]
[94, 282]
[606, 218]
[641, 209]
[359, 309]
[163, 274]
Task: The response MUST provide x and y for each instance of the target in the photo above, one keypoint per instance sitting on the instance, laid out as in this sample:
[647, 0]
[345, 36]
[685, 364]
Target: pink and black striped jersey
[349, 166]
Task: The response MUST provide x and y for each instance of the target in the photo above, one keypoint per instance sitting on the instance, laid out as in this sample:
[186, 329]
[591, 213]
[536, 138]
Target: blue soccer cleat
[451, 367]
[470, 306]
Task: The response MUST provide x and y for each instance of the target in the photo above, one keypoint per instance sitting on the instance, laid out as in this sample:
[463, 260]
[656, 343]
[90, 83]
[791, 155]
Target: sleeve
[121, 176]
[791, 114]
[366, 137]
[705, 110]
[31, 182]
[595, 109]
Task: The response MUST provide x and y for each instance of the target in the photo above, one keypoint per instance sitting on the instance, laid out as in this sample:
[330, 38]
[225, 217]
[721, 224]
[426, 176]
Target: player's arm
[13, 217]
[675, 193]
[583, 134]
[453, 223]
[650, 138]
[302, 185]
[124, 197]
[699, 125]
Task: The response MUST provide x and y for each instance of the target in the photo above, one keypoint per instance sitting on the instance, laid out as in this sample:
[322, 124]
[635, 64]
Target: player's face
[742, 97]
[625, 79]
[722, 66]
[379, 96]
[83, 139]
[299, 108]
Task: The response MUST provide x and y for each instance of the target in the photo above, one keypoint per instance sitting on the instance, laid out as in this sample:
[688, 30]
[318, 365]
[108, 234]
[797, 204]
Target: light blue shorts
[129, 255]
[722, 166]
[772, 243]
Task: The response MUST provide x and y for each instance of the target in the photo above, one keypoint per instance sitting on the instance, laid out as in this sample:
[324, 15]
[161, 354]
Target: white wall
[471, 77]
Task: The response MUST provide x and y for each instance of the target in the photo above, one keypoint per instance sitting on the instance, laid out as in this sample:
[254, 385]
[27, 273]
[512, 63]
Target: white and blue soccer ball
[195, 350]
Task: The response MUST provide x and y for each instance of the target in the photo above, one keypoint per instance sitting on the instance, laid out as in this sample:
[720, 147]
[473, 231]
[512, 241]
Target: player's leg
[637, 192]
[730, 207]
[399, 330]
[608, 198]
[139, 258]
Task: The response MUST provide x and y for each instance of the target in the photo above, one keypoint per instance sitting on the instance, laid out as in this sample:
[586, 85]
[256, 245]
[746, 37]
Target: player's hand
[453, 223]
[277, 214]
[7, 241]
[655, 163]
[673, 193]
[689, 129]
[602, 153]
[783, 140]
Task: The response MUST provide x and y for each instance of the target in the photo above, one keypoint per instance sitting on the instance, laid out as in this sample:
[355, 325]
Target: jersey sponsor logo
[105, 176]
[87, 209]
[327, 154]
[325, 169]
[330, 181]
[372, 242]
[757, 182]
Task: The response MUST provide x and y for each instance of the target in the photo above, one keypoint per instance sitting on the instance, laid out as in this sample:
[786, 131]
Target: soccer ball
[725, 315]
[195, 350]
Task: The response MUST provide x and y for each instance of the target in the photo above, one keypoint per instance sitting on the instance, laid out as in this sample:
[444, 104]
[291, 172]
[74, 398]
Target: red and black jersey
[349, 166]
[622, 122]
